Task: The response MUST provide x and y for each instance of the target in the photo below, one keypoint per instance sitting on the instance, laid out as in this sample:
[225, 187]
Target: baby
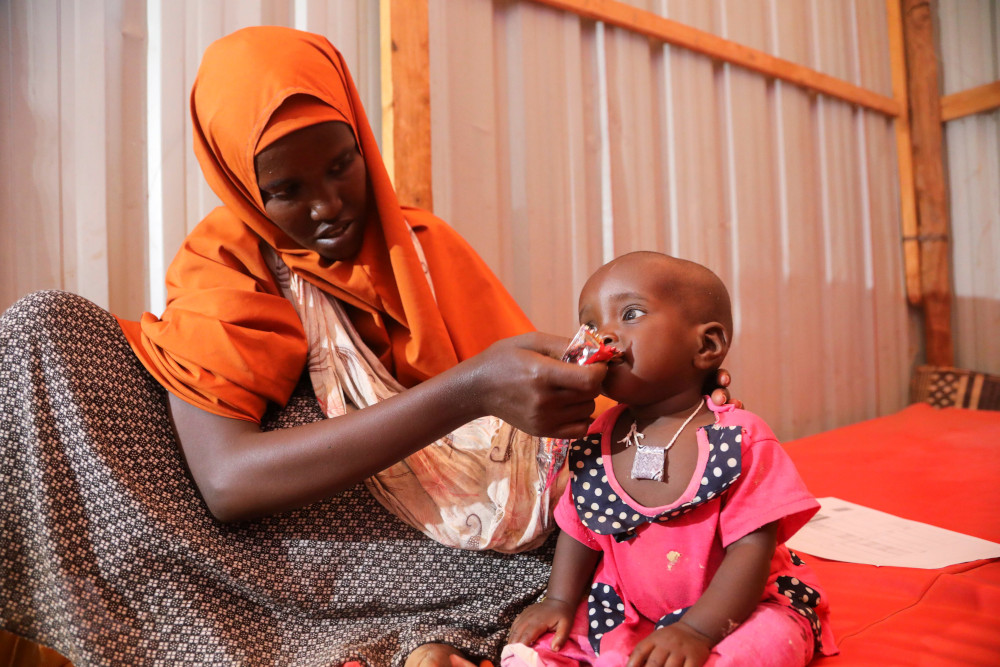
[675, 518]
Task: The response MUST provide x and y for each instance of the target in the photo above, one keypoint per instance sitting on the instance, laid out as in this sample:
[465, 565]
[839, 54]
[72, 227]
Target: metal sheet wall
[557, 144]
[970, 57]
[96, 164]
[71, 154]
[561, 143]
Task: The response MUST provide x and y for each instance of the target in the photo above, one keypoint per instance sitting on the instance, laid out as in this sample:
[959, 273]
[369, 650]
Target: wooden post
[406, 99]
[929, 179]
[904, 155]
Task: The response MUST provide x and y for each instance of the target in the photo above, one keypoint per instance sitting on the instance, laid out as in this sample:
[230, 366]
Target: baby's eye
[632, 313]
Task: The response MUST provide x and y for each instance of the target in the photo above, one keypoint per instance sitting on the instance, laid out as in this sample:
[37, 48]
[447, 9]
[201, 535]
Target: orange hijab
[228, 342]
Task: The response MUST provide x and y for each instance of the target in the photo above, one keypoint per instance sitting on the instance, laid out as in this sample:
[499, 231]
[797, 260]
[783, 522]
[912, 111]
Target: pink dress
[658, 561]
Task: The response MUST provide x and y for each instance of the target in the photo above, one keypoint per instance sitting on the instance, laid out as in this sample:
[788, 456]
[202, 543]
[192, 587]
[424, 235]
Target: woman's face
[315, 189]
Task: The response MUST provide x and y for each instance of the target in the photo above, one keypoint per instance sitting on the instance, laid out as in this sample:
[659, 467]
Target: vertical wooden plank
[904, 154]
[406, 137]
[928, 169]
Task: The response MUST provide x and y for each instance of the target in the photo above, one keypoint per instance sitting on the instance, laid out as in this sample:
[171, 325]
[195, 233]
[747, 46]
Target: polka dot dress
[110, 556]
[654, 560]
[603, 512]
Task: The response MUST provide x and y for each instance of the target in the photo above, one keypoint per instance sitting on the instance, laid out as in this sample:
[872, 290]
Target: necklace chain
[650, 461]
[634, 435]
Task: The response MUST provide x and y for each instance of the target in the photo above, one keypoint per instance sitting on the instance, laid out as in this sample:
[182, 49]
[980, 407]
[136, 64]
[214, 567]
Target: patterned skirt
[109, 555]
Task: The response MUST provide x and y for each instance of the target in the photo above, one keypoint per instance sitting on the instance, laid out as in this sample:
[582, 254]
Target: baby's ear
[714, 345]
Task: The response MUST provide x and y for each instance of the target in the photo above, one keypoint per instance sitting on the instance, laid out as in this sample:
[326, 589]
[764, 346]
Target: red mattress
[939, 466]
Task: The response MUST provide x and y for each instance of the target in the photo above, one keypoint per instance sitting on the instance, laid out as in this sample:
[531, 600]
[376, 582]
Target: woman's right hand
[523, 381]
[243, 472]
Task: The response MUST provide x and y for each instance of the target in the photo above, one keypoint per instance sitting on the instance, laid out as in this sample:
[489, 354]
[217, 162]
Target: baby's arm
[572, 569]
[732, 595]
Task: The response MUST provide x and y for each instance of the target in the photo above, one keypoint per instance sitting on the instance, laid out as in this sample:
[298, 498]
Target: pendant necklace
[650, 461]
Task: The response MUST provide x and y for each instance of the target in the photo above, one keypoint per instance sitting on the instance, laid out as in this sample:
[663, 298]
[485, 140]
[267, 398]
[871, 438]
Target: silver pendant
[649, 462]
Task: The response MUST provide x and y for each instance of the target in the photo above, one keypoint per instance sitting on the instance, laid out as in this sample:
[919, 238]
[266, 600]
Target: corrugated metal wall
[970, 57]
[562, 143]
[557, 143]
[72, 150]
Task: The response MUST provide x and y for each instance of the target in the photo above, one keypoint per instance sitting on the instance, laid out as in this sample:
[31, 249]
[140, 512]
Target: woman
[408, 337]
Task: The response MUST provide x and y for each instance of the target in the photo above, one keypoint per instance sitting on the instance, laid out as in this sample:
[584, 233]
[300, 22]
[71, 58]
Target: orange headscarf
[228, 341]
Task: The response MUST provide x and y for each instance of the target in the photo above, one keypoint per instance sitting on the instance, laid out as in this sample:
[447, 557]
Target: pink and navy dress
[657, 561]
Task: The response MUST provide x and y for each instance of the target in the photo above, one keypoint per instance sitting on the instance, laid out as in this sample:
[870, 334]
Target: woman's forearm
[244, 473]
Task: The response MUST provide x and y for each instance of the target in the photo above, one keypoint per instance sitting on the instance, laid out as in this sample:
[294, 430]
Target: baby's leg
[773, 636]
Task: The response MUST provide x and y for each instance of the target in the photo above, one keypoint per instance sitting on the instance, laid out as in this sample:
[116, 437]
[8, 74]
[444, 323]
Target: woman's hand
[522, 381]
[244, 473]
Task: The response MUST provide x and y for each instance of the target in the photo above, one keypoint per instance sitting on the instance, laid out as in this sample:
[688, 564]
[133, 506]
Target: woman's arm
[572, 569]
[244, 473]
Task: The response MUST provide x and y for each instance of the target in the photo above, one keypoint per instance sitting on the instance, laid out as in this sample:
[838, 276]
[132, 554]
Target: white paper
[853, 533]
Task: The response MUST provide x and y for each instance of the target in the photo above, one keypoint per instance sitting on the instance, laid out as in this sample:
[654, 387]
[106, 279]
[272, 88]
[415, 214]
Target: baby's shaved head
[700, 292]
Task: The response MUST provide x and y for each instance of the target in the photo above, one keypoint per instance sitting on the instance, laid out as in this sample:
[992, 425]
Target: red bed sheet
[939, 466]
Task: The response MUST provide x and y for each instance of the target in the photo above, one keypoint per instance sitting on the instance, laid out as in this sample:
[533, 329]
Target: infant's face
[626, 303]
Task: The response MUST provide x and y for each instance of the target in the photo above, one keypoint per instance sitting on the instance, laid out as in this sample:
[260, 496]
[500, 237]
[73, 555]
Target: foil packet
[587, 348]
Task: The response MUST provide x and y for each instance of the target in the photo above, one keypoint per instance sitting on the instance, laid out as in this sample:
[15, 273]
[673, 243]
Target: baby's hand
[679, 643]
[549, 615]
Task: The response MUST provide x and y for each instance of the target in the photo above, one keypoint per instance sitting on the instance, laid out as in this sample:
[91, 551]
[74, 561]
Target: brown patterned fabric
[945, 387]
[109, 555]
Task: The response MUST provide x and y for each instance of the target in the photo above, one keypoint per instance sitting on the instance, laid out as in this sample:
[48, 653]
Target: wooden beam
[406, 99]
[657, 27]
[967, 102]
[929, 178]
[904, 155]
